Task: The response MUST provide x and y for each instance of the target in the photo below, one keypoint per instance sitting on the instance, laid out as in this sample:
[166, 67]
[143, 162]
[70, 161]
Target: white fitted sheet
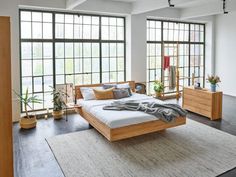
[116, 119]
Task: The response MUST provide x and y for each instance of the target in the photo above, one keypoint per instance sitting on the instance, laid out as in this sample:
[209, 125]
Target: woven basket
[26, 123]
[57, 114]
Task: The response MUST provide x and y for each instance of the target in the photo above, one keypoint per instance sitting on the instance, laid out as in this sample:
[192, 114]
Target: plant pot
[28, 123]
[57, 114]
[158, 94]
[213, 87]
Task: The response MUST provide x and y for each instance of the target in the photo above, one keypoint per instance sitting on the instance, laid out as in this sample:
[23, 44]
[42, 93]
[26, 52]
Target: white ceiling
[187, 8]
[178, 3]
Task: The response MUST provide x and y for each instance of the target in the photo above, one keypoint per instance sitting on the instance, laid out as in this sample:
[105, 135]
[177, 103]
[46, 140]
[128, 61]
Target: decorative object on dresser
[203, 102]
[28, 121]
[158, 88]
[213, 80]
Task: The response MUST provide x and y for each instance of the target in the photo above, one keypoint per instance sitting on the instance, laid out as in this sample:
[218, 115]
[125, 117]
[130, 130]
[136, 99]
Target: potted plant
[158, 88]
[213, 80]
[28, 121]
[58, 103]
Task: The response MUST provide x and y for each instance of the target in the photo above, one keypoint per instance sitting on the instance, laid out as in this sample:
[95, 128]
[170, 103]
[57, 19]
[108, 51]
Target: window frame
[55, 40]
[188, 42]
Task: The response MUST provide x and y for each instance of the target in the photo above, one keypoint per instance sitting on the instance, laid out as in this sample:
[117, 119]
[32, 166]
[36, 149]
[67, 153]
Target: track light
[224, 7]
[170, 5]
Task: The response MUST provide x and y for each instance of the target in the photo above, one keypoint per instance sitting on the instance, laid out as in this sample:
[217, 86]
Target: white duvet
[116, 119]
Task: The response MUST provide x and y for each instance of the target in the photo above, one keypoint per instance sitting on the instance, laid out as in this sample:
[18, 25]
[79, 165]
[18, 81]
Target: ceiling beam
[71, 4]
[142, 6]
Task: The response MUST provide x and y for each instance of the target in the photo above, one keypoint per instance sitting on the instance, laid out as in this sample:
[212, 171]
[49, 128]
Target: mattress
[116, 119]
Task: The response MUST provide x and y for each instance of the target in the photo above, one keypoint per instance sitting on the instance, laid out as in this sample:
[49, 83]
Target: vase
[213, 87]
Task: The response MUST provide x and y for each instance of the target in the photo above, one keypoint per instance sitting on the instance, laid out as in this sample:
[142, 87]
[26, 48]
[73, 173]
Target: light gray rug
[192, 150]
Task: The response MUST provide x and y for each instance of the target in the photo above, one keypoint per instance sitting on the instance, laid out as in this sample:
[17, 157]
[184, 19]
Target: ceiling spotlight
[224, 7]
[170, 5]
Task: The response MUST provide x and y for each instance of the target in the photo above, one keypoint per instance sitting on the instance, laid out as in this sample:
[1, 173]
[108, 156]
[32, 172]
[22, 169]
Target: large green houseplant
[28, 121]
[58, 103]
[158, 88]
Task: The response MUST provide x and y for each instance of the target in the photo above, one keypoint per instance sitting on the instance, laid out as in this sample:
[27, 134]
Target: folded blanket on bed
[166, 112]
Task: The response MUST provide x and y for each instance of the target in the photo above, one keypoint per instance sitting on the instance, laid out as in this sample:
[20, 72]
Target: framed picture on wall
[68, 89]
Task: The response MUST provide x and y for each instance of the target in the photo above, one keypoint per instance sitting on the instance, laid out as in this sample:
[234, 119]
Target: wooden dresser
[203, 102]
[6, 144]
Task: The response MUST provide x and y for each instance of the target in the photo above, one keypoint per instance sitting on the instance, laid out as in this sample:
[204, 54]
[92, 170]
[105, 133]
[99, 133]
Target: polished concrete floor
[33, 157]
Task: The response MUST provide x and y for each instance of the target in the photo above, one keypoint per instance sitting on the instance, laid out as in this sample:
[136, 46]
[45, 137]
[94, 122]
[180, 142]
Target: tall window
[164, 38]
[59, 48]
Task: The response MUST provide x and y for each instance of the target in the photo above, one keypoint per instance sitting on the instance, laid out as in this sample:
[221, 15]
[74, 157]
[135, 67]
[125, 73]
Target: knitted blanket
[166, 112]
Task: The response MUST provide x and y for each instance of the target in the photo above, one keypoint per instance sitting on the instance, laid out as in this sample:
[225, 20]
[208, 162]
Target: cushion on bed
[88, 93]
[125, 86]
[121, 93]
[108, 86]
[104, 94]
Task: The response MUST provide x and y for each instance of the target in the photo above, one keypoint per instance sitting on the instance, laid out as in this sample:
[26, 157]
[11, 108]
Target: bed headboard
[78, 94]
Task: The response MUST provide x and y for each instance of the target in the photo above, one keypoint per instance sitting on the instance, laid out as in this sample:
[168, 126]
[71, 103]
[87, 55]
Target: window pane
[26, 67]
[37, 50]
[26, 30]
[25, 16]
[59, 30]
[26, 50]
[47, 30]
[37, 67]
[37, 30]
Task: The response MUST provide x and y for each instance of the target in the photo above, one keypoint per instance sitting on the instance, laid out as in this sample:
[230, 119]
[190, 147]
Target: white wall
[226, 52]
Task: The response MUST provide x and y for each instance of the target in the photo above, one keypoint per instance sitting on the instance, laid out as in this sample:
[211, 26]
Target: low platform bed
[127, 131]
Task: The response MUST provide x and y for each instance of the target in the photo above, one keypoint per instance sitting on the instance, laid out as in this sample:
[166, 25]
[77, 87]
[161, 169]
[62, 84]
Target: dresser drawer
[198, 93]
[198, 110]
[194, 103]
[198, 99]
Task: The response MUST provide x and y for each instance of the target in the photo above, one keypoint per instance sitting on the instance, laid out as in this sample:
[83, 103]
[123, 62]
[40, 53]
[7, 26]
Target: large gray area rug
[192, 150]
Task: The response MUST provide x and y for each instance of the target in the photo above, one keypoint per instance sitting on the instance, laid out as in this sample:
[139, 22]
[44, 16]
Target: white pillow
[125, 85]
[88, 93]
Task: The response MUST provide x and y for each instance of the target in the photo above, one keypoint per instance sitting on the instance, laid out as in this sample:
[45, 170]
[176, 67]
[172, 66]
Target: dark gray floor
[33, 157]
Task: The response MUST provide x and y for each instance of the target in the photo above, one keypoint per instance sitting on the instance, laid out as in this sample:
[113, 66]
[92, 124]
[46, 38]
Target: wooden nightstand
[76, 107]
[203, 102]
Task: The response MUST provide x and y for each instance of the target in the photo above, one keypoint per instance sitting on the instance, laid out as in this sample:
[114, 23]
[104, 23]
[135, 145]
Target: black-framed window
[163, 37]
[59, 48]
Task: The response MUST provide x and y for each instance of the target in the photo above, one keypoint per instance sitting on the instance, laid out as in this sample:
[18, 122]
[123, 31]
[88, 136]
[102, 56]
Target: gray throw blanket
[166, 112]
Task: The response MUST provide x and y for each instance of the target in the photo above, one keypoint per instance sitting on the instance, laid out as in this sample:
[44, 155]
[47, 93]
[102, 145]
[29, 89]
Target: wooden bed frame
[114, 134]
